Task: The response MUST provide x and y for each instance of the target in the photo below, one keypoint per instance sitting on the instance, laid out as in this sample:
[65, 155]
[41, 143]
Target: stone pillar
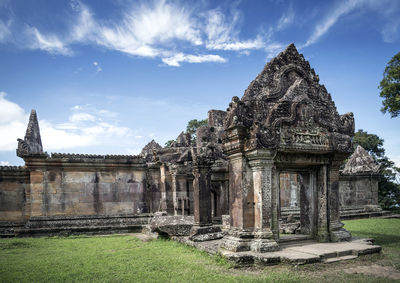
[253, 207]
[163, 188]
[203, 229]
[322, 233]
[336, 231]
[202, 195]
[174, 183]
[265, 200]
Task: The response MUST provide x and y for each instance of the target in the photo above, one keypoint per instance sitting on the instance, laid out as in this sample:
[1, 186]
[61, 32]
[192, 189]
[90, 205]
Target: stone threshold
[303, 253]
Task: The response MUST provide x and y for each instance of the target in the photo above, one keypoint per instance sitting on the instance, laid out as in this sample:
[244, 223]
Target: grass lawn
[119, 258]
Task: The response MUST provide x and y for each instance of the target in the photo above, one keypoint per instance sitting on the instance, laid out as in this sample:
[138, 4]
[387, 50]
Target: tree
[389, 189]
[193, 125]
[390, 87]
[191, 128]
[169, 143]
[370, 142]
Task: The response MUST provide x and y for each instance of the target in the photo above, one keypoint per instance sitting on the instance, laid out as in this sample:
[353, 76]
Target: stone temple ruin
[265, 171]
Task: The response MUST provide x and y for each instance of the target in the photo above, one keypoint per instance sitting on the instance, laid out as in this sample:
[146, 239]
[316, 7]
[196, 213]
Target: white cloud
[78, 117]
[155, 29]
[4, 163]
[13, 122]
[49, 43]
[82, 130]
[178, 58]
[387, 9]
[222, 33]
[341, 10]
[286, 19]
[98, 68]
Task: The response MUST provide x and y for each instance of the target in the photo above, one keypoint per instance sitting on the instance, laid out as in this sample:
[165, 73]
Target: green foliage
[191, 128]
[389, 190]
[193, 125]
[370, 142]
[169, 143]
[390, 87]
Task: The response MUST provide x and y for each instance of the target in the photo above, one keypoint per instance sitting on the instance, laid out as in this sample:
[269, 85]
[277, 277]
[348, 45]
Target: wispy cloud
[178, 58]
[387, 9]
[286, 19]
[98, 68]
[323, 27]
[173, 31]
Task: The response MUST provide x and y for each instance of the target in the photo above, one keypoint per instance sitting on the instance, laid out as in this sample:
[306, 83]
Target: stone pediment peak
[361, 162]
[285, 106]
[32, 143]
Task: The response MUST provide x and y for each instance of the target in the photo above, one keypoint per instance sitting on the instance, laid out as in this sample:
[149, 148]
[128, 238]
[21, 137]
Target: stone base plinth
[338, 233]
[205, 233]
[243, 240]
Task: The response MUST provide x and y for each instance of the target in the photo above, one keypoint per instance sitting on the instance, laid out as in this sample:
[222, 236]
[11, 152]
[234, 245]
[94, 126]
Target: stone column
[163, 188]
[265, 200]
[336, 231]
[174, 186]
[322, 233]
[203, 229]
[202, 195]
[253, 209]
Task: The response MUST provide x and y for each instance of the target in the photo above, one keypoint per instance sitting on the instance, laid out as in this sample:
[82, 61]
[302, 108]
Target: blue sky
[106, 77]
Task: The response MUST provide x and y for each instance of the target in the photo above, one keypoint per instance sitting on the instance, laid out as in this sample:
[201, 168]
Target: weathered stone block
[36, 177]
[79, 177]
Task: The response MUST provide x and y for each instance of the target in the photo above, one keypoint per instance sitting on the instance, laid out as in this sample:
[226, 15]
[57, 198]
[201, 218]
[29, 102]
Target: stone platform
[293, 253]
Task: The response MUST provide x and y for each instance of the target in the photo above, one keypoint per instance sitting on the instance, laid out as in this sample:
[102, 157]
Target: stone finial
[149, 151]
[32, 143]
[360, 162]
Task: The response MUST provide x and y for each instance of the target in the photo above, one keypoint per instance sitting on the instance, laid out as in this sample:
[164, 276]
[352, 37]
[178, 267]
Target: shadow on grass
[8, 245]
[380, 238]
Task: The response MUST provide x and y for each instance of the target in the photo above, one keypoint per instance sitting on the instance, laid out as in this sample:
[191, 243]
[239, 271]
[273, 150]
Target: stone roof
[94, 156]
[360, 162]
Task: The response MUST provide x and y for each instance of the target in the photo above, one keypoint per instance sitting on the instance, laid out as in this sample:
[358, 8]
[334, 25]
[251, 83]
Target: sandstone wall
[358, 190]
[86, 186]
[13, 183]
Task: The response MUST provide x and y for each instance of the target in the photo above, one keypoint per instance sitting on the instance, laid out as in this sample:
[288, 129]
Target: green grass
[385, 232]
[125, 258]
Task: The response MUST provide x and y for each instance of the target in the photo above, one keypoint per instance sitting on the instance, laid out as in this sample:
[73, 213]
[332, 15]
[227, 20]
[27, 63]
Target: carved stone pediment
[31, 145]
[286, 107]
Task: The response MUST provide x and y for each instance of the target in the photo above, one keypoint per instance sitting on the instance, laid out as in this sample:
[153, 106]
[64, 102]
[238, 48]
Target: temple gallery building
[278, 163]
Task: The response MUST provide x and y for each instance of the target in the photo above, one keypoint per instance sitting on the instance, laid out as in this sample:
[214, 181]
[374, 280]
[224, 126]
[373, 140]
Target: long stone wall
[79, 185]
[13, 184]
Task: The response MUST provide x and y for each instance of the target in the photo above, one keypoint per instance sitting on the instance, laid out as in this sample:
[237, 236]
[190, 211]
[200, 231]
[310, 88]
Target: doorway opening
[297, 205]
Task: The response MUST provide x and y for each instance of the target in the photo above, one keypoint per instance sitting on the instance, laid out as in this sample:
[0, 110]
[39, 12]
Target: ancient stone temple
[269, 162]
[285, 122]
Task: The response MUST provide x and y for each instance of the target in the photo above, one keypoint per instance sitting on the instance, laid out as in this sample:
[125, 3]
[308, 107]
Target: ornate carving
[285, 106]
[149, 151]
[360, 162]
[31, 145]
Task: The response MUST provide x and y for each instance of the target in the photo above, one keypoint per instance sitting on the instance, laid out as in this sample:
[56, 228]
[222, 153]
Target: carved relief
[285, 106]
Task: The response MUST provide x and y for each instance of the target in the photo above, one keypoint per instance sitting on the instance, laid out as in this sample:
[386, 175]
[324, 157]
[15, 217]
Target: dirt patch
[375, 270]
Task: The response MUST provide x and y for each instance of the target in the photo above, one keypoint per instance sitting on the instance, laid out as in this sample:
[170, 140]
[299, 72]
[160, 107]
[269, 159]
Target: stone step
[336, 259]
